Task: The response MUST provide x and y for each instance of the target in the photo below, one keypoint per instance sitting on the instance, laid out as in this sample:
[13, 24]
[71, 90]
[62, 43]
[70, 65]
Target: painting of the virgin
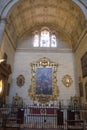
[44, 81]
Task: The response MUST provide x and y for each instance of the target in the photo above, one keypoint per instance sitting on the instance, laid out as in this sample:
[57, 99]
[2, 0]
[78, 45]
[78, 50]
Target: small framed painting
[84, 65]
[81, 89]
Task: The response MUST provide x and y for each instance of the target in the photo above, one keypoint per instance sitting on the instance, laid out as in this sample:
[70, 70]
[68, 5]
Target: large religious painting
[84, 65]
[44, 81]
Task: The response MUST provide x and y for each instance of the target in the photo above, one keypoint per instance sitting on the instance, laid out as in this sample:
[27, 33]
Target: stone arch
[10, 4]
[7, 8]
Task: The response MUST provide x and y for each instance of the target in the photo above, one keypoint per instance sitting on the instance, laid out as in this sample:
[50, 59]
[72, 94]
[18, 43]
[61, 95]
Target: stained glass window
[44, 39]
[36, 40]
[53, 40]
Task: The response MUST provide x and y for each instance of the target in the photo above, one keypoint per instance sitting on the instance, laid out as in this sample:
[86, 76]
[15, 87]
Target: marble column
[2, 29]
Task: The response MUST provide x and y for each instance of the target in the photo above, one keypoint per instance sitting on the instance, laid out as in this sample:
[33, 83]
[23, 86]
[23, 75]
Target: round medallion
[67, 80]
[20, 80]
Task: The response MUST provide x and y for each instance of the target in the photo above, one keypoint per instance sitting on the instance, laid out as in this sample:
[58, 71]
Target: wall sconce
[1, 87]
[67, 80]
[2, 60]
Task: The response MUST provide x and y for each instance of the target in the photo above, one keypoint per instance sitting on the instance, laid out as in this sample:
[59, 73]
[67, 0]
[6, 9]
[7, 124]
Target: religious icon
[44, 81]
[20, 80]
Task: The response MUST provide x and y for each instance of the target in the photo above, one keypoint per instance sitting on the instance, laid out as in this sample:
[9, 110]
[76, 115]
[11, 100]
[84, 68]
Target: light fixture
[1, 87]
[2, 60]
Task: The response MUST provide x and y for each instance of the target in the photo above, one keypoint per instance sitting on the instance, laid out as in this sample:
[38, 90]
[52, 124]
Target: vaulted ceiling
[63, 16]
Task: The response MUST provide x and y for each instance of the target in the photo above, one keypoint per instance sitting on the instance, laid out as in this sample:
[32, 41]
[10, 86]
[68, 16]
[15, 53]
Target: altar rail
[39, 117]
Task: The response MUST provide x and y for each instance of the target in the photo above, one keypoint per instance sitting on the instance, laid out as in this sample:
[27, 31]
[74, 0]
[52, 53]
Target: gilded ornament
[43, 86]
[67, 80]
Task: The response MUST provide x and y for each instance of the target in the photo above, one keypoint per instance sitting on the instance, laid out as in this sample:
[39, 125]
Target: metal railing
[38, 117]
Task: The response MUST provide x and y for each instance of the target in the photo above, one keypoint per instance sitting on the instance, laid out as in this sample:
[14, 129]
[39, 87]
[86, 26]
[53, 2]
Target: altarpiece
[43, 86]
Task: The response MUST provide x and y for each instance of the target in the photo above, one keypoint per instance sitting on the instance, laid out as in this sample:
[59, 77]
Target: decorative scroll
[44, 81]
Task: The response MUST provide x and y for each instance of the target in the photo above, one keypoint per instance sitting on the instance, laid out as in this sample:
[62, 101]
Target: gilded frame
[84, 65]
[44, 65]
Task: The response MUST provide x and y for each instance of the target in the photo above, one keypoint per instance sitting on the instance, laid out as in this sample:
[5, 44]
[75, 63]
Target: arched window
[44, 38]
[53, 40]
[36, 40]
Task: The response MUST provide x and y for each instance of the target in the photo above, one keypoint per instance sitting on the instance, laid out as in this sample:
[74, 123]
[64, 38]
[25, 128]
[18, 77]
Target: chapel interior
[43, 64]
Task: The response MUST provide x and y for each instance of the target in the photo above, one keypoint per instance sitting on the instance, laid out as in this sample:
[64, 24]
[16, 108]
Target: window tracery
[44, 38]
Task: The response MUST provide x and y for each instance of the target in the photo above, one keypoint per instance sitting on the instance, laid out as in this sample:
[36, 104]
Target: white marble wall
[22, 66]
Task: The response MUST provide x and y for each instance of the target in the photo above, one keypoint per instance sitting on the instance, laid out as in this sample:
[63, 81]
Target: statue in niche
[17, 101]
[75, 101]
